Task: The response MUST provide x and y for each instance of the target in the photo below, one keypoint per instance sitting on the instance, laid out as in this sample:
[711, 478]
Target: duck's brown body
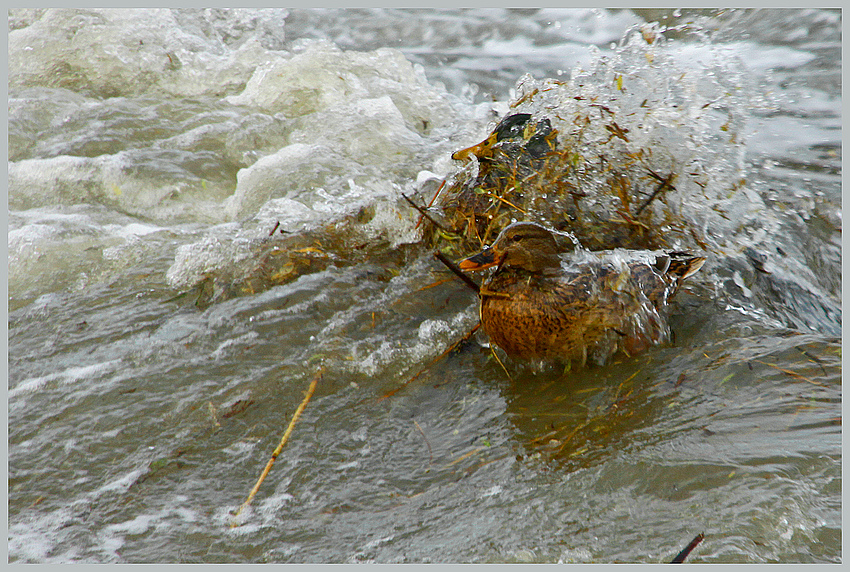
[539, 305]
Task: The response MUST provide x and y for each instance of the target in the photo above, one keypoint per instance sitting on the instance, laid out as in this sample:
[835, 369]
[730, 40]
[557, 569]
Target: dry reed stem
[465, 456]
[433, 284]
[791, 373]
[430, 204]
[495, 355]
[279, 448]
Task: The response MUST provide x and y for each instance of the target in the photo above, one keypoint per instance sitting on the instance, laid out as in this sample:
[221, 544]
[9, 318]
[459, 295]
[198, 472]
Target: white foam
[525, 53]
[126, 52]
[431, 330]
[291, 214]
[62, 180]
[110, 180]
[111, 537]
[220, 247]
[70, 375]
[223, 348]
[133, 230]
[271, 506]
[374, 356]
[360, 118]
[34, 538]
[138, 525]
[588, 25]
[322, 76]
[240, 449]
[370, 131]
[70, 247]
[291, 173]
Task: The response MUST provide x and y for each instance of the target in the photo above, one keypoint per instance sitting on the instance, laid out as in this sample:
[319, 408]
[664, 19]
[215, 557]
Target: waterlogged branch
[435, 360]
[664, 183]
[680, 557]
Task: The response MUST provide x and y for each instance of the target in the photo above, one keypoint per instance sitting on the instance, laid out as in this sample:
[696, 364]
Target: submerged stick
[680, 557]
[812, 358]
[435, 360]
[495, 355]
[469, 282]
[430, 204]
[430, 453]
[283, 441]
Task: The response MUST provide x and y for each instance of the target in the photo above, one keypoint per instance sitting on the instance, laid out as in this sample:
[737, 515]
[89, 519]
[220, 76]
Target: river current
[159, 344]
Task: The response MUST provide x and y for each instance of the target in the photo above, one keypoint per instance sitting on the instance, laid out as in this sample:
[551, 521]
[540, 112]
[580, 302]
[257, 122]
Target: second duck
[542, 304]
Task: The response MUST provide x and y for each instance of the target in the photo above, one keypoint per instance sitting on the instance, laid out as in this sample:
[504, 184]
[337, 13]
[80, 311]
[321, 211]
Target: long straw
[279, 448]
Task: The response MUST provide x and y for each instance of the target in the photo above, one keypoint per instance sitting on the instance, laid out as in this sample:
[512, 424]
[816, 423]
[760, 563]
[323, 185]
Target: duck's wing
[683, 264]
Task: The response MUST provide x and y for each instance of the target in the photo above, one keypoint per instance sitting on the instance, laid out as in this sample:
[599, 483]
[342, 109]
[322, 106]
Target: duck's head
[521, 245]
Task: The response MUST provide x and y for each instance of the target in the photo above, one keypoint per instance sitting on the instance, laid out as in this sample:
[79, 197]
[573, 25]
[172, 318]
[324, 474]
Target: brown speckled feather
[538, 306]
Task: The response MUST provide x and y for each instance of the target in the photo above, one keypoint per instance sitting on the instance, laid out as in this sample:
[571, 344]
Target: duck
[544, 303]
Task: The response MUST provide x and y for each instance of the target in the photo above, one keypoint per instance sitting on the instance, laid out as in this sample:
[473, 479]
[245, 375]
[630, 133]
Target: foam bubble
[432, 330]
[34, 538]
[292, 173]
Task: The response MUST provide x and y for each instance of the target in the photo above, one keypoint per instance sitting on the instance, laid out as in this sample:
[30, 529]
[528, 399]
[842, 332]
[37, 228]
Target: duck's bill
[480, 150]
[484, 259]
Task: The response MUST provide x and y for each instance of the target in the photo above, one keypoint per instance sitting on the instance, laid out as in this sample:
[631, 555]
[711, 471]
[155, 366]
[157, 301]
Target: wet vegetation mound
[634, 152]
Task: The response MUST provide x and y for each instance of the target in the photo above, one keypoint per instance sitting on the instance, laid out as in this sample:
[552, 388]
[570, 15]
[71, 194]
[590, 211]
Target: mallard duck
[516, 127]
[543, 304]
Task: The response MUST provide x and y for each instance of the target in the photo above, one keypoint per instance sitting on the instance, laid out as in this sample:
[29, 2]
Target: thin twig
[279, 448]
[213, 414]
[664, 183]
[430, 454]
[458, 272]
[506, 201]
[431, 203]
[434, 284]
[493, 351]
[465, 456]
[791, 373]
[812, 358]
[572, 434]
[424, 213]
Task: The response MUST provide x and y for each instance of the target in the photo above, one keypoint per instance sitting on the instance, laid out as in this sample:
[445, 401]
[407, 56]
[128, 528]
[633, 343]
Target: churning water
[153, 366]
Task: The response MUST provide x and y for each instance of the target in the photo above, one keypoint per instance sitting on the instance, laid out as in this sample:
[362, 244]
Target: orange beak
[480, 150]
[484, 259]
